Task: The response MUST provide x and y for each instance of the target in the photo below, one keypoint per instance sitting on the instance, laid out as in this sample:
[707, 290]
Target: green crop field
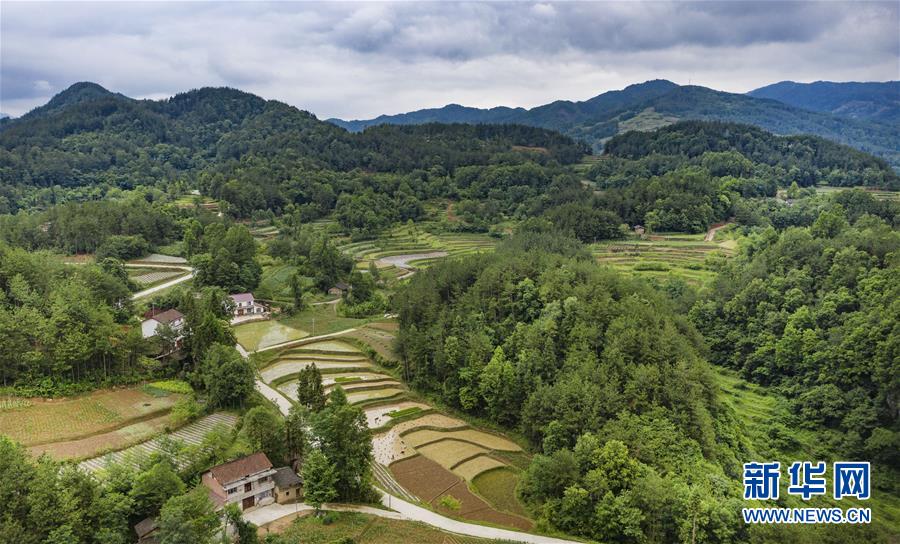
[320, 320]
[498, 487]
[686, 256]
[39, 421]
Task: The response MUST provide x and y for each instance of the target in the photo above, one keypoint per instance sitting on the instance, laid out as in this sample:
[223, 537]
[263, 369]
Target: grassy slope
[759, 409]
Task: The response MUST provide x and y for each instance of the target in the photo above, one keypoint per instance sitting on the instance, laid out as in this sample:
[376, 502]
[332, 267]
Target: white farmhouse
[173, 318]
[244, 304]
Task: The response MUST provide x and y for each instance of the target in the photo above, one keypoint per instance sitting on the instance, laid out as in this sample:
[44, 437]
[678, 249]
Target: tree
[374, 273]
[319, 480]
[310, 391]
[297, 293]
[295, 431]
[362, 288]
[204, 326]
[154, 487]
[188, 519]
[264, 430]
[498, 388]
[345, 439]
[229, 377]
[246, 531]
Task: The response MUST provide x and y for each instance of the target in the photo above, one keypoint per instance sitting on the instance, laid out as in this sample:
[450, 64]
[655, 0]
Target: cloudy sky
[358, 60]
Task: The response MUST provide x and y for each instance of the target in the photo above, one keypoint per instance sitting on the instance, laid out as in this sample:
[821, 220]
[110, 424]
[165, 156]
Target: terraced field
[356, 397]
[422, 437]
[680, 255]
[285, 368]
[449, 453]
[336, 360]
[471, 468]
[191, 434]
[263, 233]
[879, 194]
[371, 384]
[347, 379]
[404, 248]
[376, 337]
[416, 445]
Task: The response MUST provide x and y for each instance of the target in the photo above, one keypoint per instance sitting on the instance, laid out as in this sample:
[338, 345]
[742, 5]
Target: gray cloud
[363, 59]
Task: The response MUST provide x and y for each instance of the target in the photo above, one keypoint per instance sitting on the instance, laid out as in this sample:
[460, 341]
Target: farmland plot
[191, 434]
[422, 437]
[44, 422]
[377, 416]
[449, 453]
[156, 276]
[373, 394]
[292, 366]
[468, 470]
[156, 258]
[260, 334]
[331, 345]
[430, 482]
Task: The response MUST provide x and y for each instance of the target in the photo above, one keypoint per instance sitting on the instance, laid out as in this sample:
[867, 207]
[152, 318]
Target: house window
[232, 491]
[248, 486]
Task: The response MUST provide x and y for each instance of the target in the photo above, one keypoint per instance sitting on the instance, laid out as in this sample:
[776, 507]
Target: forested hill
[804, 159]
[88, 135]
[874, 100]
[658, 103]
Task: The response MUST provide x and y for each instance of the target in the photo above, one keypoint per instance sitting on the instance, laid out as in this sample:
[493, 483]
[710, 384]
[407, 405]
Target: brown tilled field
[99, 443]
[430, 481]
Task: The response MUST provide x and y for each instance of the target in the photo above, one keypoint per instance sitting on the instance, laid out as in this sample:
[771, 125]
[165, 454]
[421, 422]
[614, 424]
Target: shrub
[173, 386]
[450, 502]
[329, 517]
[184, 411]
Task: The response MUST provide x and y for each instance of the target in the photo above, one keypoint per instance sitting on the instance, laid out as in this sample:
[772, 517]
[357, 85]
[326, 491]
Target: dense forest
[688, 176]
[607, 377]
[249, 152]
[64, 323]
[806, 160]
[591, 367]
[815, 311]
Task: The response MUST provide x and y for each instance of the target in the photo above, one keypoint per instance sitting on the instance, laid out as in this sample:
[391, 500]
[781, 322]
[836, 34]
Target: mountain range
[857, 114]
[876, 101]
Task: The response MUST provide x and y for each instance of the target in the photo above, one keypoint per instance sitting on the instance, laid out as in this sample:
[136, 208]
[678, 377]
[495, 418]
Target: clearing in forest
[681, 255]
